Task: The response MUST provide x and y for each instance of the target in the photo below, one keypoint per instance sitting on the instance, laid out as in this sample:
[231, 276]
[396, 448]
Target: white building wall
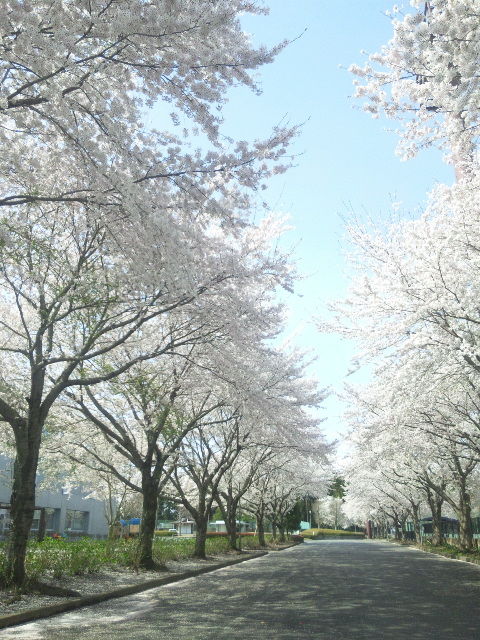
[59, 499]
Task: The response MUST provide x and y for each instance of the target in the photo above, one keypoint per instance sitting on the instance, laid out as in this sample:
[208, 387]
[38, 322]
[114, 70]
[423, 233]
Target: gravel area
[105, 580]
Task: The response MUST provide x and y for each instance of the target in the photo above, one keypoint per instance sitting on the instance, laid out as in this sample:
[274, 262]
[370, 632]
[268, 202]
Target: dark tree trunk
[435, 503]
[232, 531]
[386, 529]
[147, 528]
[261, 528]
[465, 521]
[42, 525]
[22, 504]
[416, 520]
[201, 514]
[281, 528]
[201, 538]
[274, 530]
[228, 507]
[398, 528]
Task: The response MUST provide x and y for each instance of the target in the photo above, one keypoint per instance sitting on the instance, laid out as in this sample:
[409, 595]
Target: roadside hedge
[325, 533]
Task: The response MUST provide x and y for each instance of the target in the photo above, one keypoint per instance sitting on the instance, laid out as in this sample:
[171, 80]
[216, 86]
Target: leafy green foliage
[337, 488]
[167, 510]
[56, 558]
[294, 516]
[324, 533]
[164, 533]
[451, 551]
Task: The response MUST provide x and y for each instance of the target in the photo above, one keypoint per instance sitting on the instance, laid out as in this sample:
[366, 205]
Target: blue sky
[347, 160]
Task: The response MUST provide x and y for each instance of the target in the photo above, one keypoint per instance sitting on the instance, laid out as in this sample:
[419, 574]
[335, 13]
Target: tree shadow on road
[325, 590]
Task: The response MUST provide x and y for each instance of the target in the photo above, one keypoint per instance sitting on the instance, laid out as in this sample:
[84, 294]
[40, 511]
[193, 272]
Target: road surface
[326, 590]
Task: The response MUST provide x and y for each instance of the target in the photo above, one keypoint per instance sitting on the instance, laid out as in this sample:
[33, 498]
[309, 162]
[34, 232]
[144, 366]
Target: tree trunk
[336, 514]
[42, 525]
[274, 530]
[232, 531]
[228, 507]
[281, 528]
[466, 533]
[416, 520]
[435, 503]
[22, 506]
[147, 528]
[261, 529]
[465, 522]
[201, 538]
[384, 529]
[398, 528]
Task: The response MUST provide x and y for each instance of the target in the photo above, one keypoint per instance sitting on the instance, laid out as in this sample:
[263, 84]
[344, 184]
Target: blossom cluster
[413, 303]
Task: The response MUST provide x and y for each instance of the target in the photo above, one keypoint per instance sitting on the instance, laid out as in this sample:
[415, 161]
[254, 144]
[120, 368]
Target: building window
[76, 520]
[51, 519]
[4, 522]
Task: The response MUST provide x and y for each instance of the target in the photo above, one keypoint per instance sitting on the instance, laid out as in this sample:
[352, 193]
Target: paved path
[323, 590]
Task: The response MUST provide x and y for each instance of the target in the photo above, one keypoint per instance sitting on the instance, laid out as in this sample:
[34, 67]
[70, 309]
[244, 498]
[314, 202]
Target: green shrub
[322, 533]
[217, 545]
[165, 549]
[60, 557]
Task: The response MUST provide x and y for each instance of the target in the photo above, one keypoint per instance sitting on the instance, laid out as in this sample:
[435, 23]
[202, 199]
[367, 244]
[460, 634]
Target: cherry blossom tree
[290, 475]
[222, 462]
[426, 76]
[110, 223]
[245, 471]
[400, 451]
[144, 416]
[78, 79]
[205, 456]
[411, 307]
[73, 291]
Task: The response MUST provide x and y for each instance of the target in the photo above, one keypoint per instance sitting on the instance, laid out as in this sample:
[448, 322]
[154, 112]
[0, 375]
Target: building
[219, 526]
[69, 513]
[185, 527]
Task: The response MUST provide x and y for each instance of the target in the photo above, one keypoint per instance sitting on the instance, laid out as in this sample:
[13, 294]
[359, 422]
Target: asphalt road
[324, 590]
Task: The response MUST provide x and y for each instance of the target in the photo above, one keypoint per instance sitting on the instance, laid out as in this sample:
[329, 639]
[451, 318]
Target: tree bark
[147, 528]
[228, 507]
[22, 503]
[261, 528]
[398, 528]
[465, 521]
[416, 520]
[232, 530]
[201, 538]
[42, 525]
[435, 503]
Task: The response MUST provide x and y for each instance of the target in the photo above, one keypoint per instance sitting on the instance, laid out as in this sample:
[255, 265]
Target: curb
[28, 615]
[450, 556]
[288, 546]
[442, 554]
